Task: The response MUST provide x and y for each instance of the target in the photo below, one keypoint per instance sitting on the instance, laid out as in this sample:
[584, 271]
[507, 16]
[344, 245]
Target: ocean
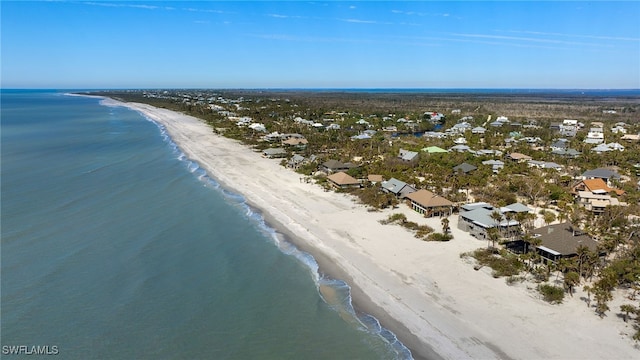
[114, 245]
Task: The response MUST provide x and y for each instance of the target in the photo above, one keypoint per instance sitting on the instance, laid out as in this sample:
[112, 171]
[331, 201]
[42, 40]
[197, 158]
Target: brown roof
[560, 238]
[342, 178]
[519, 156]
[295, 141]
[595, 185]
[426, 198]
[375, 178]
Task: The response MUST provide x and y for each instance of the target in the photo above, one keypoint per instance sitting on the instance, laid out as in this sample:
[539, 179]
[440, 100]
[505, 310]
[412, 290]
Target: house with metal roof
[560, 144]
[477, 221]
[296, 161]
[408, 156]
[396, 187]
[568, 153]
[272, 153]
[434, 149]
[595, 136]
[516, 208]
[464, 168]
[460, 148]
[478, 130]
[496, 165]
[544, 165]
[601, 173]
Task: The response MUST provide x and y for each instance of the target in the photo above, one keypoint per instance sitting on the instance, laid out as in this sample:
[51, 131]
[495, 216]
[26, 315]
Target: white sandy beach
[422, 291]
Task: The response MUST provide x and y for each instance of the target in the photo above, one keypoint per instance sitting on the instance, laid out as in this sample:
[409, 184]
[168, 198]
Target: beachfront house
[562, 241]
[295, 162]
[476, 219]
[272, 153]
[342, 180]
[429, 204]
[396, 187]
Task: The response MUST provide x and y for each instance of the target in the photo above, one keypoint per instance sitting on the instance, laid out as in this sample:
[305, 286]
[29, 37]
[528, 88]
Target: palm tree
[588, 289]
[548, 217]
[493, 236]
[583, 255]
[496, 216]
[508, 216]
[575, 219]
[445, 225]
[571, 279]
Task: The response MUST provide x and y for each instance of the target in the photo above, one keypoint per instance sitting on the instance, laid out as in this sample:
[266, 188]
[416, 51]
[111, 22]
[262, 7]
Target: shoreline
[436, 305]
[361, 303]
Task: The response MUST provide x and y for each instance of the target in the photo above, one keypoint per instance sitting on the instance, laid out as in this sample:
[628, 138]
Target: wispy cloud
[152, 7]
[530, 39]
[415, 13]
[596, 37]
[360, 21]
[137, 6]
[287, 37]
[281, 16]
[206, 10]
[315, 39]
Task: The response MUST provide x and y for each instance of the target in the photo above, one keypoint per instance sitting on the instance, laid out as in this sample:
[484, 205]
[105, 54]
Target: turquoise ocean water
[115, 246]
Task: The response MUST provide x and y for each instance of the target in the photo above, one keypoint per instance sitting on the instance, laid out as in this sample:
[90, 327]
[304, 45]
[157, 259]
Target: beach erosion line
[334, 291]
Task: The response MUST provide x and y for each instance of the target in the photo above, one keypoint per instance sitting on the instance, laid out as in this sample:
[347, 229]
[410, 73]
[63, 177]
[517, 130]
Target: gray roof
[337, 165]
[601, 173]
[476, 205]
[481, 216]
[560, 238]
[460, 148]
[560, 144]
[516, 207]
[397, 187]
[464, 167]
[567, 152]
[407, 155]
[274, 151]
[493, 162]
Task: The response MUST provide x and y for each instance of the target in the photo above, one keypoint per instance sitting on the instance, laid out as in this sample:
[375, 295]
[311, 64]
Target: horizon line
[323, 88]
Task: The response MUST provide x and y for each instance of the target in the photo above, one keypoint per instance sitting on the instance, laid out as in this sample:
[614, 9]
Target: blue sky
[325, 44]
